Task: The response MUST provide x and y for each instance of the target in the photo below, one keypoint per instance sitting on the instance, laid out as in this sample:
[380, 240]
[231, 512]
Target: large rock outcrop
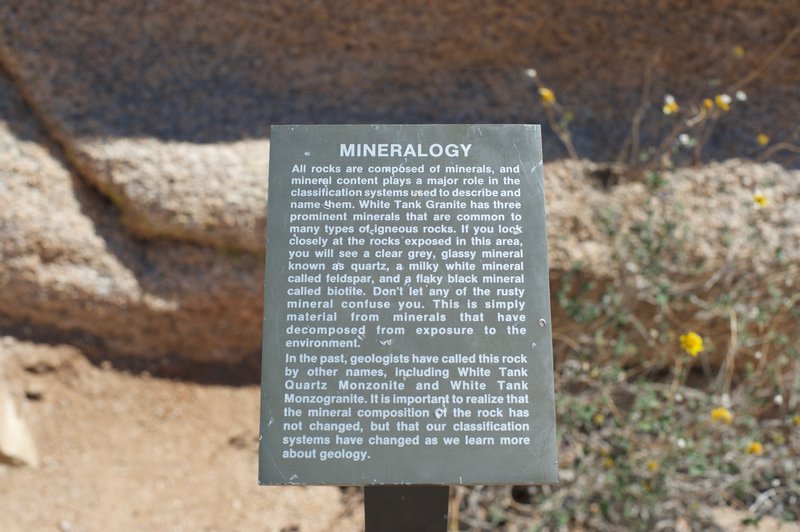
[67, 263]
[165, 106]
[134, 145]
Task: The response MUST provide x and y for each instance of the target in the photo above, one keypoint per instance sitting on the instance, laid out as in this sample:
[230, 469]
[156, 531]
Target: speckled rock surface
[213, 194]
[165, 106]
[68, 264]
[134, 141]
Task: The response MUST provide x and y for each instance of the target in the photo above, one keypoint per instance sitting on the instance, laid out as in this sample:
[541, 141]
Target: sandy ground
[131, 452]
[121, 452]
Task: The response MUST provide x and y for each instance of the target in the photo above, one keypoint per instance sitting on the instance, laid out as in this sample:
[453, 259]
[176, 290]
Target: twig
[765, 63]
[612, 406]
[455, 507]
[561, 132]
[728, 368]
[676, 376]
[705, 135]
[761, 499]
[781, 146]
[632, 140]
[567, 340]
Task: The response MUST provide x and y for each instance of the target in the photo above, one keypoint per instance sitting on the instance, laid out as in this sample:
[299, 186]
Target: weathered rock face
[16, 443]
[212, 194]
[133, 176]
[67, 263]
[165, 106]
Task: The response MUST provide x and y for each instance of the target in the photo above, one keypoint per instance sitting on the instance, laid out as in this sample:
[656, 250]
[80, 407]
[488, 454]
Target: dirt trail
[130, 452]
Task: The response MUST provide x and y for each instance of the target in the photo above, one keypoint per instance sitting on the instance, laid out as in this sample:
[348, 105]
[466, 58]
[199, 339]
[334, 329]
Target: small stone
[682, 525]
[566, 475]
[16, 443]
[34, 391]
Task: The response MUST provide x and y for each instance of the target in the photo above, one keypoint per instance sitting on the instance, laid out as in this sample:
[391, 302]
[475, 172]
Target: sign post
[404, 508]
[407, 335]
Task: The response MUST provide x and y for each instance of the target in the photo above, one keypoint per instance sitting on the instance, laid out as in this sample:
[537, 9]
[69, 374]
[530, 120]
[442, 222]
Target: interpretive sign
[407, 335]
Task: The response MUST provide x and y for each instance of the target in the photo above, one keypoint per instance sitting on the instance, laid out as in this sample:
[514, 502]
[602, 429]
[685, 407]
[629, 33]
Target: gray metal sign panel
[407, 335]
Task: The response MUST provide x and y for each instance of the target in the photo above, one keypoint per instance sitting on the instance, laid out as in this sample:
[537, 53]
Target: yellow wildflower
[547, 95]
[762, 139]
[755, 448]
[608, 462]
[708, 104]
[670, 105]
[796, 420]
[723, 101]
[722, 414]
[738, 52]
[692, 343]
[599, 419]
[652, 466]
[760, 199]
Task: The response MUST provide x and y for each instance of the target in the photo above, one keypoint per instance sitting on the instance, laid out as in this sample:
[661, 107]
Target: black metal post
[406, 508]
